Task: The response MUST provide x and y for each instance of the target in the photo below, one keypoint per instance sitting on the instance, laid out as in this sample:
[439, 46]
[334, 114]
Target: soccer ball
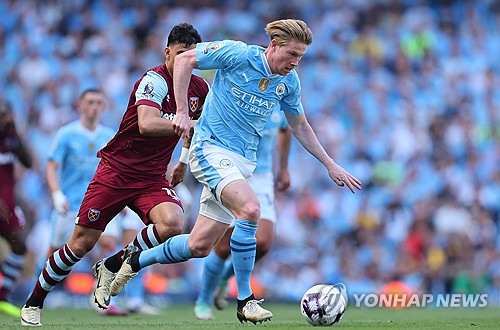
[324, 304]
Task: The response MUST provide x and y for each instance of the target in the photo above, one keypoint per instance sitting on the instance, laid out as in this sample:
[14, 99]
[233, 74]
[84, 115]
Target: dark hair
[183, 34]
[90, 90]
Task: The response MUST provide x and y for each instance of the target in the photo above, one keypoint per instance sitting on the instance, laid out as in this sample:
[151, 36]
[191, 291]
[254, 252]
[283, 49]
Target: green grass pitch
[286, 316]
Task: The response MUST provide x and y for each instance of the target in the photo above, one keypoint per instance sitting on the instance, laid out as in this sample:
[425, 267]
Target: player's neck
[169, 71]
[89, 124]
[268, 59]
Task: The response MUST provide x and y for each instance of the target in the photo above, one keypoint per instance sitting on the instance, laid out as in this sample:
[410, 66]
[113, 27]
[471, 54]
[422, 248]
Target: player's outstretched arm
[183, 68]
[306, 136]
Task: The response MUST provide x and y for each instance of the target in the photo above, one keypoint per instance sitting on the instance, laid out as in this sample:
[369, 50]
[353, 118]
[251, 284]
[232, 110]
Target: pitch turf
[286, 316]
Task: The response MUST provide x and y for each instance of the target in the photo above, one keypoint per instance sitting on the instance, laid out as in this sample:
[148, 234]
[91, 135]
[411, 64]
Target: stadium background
[404, 94]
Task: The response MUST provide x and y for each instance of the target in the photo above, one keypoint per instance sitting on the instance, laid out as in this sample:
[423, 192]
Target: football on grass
[324, 304]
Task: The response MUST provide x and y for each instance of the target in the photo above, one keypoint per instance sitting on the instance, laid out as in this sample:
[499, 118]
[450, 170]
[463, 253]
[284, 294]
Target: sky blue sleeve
[152, 88]
[292, 103]
[58, 148]
[219, 54]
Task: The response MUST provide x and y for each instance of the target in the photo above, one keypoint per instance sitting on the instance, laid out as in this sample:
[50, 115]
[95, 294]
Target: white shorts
[215, 168]
[63, 226]
[263, 186]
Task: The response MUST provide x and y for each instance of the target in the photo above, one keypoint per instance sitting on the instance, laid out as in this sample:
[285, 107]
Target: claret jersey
[135, 157]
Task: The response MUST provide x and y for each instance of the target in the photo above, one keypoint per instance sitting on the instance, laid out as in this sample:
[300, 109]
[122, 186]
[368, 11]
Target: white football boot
[125, 273]
[104, 278]
[30, 316]
[253, 312]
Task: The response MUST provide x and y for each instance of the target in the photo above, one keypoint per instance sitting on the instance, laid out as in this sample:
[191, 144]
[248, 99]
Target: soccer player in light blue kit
[217, 270]
[250, 81]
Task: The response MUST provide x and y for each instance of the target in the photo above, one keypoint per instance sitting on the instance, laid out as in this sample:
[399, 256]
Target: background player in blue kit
[216, 270]
[71, 164]
[250, 81]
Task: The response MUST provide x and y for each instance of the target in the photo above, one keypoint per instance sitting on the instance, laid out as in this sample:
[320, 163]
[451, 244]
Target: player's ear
[167, 53]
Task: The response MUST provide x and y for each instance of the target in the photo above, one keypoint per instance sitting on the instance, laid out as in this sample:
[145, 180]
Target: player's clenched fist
[181, 125]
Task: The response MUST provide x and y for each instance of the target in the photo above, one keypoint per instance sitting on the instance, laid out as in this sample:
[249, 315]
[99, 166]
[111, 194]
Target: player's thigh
[159, 204]
[168, 218]
[240, 199]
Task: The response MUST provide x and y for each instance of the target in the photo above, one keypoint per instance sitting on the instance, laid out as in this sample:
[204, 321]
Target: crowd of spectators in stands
[404, 94]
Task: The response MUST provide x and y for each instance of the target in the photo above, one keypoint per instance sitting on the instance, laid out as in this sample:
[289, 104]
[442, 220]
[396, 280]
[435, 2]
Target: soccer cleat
[30, 316]
[104, 278]
[221, 299]
[8, 309]
[125, 273]
[203, 312]
[253, 312]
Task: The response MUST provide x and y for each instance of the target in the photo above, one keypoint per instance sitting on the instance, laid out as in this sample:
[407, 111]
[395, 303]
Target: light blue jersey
[75, 149]
[266, 145]
[243, 96]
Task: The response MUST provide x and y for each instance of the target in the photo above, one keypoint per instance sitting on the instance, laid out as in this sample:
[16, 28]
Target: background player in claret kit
[131, 173]
[216, 269]
[71, 164]
[250, 81]
[11, 224]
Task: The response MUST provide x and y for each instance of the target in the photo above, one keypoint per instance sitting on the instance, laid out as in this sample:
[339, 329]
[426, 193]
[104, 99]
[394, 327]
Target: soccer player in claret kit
[11, 220]
[131, 173]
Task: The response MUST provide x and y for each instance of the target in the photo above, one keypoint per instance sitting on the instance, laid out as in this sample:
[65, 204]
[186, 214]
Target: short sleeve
[291, 103]
[219, 54]
[58, 148]
[151, 90]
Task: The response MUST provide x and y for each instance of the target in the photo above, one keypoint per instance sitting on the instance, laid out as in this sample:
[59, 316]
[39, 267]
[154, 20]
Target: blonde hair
[289, 29]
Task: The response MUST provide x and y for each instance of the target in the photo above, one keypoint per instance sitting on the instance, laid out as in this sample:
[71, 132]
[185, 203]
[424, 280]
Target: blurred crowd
[403, 94]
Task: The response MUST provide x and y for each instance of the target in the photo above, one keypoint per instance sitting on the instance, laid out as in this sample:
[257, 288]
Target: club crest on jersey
[226, 163]
[193, 103]
[280, 89]
[148, 90]
[263, 84]
[93, 215]
[216, 45]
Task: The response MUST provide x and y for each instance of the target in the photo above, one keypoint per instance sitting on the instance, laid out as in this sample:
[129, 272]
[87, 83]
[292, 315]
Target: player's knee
[82, 241]
[169, 228]
[249, 211]
[199, 249]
